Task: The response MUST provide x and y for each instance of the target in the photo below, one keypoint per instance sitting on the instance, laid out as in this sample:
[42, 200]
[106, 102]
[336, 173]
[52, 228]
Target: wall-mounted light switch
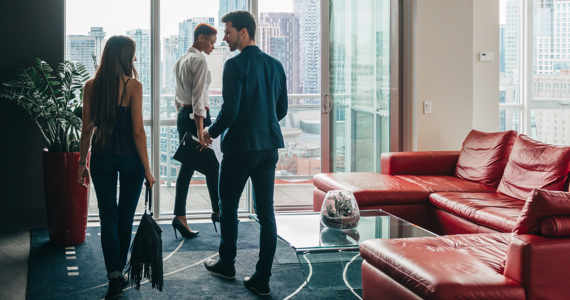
[486, 56]
[427, 107]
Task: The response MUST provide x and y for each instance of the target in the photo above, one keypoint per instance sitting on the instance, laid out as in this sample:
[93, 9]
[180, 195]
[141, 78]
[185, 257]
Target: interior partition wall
[342, 59]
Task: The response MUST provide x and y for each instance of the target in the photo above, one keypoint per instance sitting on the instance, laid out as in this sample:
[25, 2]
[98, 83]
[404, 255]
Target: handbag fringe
[146, 255]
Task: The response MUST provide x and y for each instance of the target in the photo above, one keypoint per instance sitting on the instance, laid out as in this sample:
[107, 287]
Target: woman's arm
[199, 90]
[86, 131]
[200, 125]
[139, 134]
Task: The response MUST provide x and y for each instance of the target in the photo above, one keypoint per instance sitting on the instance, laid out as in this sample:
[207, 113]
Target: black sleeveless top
[121, 140]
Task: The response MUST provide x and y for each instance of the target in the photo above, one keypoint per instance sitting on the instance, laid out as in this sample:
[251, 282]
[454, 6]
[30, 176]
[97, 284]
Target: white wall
[486, 36]
[464, 92]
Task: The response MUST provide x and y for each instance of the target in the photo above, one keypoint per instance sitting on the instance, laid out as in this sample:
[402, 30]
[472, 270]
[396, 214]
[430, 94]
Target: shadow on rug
[78, 272]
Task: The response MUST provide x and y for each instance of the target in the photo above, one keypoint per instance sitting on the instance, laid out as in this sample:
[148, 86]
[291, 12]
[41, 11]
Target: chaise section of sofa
[468, 267]
[530, 263]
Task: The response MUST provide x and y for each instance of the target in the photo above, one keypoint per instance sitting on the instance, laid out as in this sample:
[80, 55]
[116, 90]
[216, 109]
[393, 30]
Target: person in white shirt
[192, 102]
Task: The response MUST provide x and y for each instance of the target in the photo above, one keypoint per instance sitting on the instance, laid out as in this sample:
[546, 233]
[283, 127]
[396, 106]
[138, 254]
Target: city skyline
[300, 62]
[81, 15]
[299, 132]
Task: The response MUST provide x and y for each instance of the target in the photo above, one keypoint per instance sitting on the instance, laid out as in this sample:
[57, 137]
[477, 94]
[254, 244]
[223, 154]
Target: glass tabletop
[306, 232]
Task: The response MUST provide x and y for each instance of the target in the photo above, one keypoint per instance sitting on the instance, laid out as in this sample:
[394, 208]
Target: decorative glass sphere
[339, 210]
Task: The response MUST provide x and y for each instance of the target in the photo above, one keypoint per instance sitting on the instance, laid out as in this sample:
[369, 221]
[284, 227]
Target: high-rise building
[170, 55]
[544, 37]
[186, 32]
[278, 48]
[265, 32]
[216, 61]
[227, 6]
[289, 27]
[512, 53]
[142, 40]
[310, 32]
[81, 48]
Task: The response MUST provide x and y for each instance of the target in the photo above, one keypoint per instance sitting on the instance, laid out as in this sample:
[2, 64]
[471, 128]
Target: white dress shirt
[193, 82]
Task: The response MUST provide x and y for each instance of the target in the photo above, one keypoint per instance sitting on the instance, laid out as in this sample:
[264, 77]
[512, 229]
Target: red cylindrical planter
[66, 200]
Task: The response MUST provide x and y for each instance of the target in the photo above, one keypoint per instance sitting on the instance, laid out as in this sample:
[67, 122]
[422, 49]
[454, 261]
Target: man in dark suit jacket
[255, 99]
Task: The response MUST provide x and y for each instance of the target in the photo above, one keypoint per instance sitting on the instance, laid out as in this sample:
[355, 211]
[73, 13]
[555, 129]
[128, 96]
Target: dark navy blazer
[255, 100]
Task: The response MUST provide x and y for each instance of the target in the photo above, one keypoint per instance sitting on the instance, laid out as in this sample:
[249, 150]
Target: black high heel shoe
[176, 224]
[215, 218]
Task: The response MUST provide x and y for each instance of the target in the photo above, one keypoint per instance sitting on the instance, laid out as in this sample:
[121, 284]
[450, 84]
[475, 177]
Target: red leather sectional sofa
[504, 224]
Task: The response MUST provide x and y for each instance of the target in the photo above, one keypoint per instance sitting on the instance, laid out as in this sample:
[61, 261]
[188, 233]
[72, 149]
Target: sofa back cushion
[484, 156]
[539, 205]
[534, 165]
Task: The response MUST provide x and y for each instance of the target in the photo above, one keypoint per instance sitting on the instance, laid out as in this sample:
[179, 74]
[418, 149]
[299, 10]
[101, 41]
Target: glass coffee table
[330, 257]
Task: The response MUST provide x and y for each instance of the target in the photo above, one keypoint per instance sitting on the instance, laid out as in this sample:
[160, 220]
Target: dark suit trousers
[235, 169]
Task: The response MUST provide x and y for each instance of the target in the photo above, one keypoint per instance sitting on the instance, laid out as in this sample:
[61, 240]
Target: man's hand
[202, 143]
[207, 135]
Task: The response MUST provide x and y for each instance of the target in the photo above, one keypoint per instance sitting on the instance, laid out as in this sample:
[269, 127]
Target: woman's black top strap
[124, 90]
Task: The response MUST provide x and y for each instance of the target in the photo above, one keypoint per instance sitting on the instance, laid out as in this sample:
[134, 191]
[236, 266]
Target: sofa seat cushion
[435, 184]
[373, 188]
[484, 156]
[534, 165]
[493, 210]
[468, 266]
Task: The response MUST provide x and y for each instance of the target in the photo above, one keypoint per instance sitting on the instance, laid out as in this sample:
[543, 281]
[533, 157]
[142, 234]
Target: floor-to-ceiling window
[535, 68]
[178, 19]
[289, 30]
[350, 58]
[359, 78]
[88, 26]
[163, 30]
[510, 65]
[551, 72]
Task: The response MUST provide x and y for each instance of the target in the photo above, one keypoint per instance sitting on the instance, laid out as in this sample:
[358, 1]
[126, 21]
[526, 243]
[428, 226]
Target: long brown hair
[116, 61]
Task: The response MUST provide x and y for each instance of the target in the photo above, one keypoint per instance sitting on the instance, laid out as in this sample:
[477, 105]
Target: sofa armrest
[540, 264]
[419, 163]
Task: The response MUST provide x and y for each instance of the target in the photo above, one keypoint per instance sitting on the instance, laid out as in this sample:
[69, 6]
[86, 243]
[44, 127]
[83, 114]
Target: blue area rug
[55, 274]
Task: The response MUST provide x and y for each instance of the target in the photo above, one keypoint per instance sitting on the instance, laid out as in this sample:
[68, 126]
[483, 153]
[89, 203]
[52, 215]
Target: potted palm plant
[55, 105]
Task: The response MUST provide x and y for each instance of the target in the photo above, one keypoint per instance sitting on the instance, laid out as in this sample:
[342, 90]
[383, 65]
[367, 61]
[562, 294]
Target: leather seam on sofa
[530, 258]
[396, 269]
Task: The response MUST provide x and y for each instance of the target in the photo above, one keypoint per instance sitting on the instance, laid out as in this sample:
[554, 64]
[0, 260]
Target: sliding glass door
[358, 102]
[337, 55]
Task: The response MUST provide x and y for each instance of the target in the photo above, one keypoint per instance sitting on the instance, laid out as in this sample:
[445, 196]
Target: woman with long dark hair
[112, 115]
[193, 103]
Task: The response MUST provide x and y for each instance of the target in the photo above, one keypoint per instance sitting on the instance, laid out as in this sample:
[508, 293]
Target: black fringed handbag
[146, 250]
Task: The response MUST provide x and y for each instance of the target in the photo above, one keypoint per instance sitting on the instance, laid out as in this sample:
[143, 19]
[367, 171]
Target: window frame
[526, 66]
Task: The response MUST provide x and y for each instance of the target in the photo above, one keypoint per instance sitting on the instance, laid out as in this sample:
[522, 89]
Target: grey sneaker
[217, 267]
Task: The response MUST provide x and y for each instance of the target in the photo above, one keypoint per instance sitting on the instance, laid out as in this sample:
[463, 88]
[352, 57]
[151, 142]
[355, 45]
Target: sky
[503, 12]
[118, 16]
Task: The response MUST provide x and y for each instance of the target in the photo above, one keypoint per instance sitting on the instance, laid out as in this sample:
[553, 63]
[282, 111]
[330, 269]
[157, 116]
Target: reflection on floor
[199, 200]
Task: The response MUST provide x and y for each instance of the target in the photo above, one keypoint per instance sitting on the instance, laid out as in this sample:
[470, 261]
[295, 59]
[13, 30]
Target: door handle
[326, 104]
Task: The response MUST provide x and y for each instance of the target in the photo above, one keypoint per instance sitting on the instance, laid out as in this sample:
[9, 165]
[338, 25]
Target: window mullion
[155, 99]
[526, 64]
